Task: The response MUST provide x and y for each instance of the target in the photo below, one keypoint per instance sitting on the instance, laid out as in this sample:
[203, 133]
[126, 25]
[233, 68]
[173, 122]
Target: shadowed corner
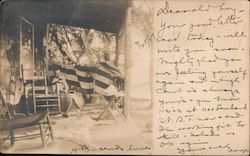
[2, 2]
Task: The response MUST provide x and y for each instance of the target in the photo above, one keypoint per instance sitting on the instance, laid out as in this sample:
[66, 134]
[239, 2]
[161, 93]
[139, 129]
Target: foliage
[67, 45]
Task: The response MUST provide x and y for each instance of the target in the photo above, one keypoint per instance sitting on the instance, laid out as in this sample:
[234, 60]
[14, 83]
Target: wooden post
[26, 95]
[128, 62]
[20, 47]
[58, 97]
[46, 49]
[34, 96]
[117, 48]
[46, 91]
[33, 47]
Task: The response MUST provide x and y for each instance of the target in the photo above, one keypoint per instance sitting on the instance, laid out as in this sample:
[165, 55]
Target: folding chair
[12, 123]
[104, 87]
[111, 101]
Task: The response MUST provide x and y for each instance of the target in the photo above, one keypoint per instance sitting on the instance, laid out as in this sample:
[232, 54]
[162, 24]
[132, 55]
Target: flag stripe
[101, 84]
[91, 79]
[85, 85]
[85, 79]
[103, 73]
[71, 77]
[100, 90]
[82, 73]
[84, 68]
[103, 79]
[110, 68]
[68, 71]
[89, 91]
[73, 83]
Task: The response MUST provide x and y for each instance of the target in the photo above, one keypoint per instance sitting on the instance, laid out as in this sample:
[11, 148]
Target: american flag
[92, 79]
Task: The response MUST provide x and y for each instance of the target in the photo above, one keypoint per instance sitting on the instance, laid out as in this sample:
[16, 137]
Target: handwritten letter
[201, 77]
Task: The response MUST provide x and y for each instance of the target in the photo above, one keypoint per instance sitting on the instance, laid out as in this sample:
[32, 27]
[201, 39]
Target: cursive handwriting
[201, 8]
[201, 77]
[86, 149]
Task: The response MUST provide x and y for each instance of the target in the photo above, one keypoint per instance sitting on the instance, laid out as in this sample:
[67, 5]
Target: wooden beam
[117, 50]
[128, 62]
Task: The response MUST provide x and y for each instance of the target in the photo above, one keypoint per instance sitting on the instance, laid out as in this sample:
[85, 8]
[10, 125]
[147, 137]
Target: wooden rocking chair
[12, 123]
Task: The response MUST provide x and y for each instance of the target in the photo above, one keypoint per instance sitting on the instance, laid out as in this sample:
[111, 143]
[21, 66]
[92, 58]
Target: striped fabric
[92, 79]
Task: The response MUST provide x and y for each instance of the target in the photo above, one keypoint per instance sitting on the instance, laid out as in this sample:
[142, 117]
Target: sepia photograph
[69, 81]
[124, 77]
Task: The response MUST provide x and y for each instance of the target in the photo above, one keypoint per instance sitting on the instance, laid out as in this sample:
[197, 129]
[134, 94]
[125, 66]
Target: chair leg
[42, 134]
[12, 138]
[118, 109]
[105, 109]
[50, 129]
[114, 116]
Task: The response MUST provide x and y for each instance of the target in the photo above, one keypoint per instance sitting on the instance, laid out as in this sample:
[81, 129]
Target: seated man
[73, 97]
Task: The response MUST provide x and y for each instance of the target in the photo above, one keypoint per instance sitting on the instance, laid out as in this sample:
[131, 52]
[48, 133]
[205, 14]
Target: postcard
[126, 77]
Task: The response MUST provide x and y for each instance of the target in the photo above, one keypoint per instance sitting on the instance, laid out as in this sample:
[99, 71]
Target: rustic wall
[5, 62]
